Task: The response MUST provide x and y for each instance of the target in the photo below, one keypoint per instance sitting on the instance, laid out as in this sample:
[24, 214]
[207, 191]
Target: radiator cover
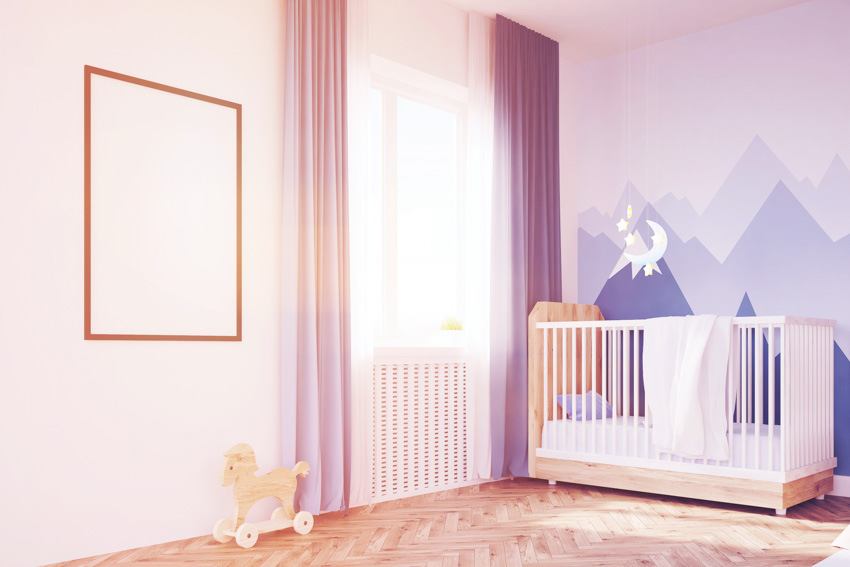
[420, 428]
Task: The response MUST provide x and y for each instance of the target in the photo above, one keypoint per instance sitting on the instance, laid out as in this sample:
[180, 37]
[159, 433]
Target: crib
[779, 397]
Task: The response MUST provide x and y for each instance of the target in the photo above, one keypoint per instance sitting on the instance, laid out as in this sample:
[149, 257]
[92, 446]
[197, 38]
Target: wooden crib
[780, 415]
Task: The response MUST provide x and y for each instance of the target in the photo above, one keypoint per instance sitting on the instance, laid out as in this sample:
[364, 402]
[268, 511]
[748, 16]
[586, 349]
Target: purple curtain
[526, 246]
[316, 354]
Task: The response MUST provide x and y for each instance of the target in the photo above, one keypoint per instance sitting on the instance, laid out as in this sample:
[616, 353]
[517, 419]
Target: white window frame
[395, 80]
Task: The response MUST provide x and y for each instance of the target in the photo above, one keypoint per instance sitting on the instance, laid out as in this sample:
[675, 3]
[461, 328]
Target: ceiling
[590, 29]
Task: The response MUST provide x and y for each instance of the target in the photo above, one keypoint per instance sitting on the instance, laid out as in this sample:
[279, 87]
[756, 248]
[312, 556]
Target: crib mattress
[616, 437]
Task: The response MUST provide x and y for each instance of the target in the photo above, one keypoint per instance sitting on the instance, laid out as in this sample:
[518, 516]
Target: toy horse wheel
[246, 535]
[221, 526]
[303, 522]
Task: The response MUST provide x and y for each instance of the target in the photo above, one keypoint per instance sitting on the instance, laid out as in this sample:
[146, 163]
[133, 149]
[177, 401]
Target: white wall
[112, 445]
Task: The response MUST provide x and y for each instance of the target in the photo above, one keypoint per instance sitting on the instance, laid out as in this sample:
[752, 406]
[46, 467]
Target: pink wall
[113, 445]
[433, 37]
[568, 146]
[429, 36]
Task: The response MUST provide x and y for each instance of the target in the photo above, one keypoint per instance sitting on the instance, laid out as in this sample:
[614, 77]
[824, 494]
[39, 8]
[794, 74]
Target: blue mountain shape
[657, 295]
[746, 308]
[841, 368]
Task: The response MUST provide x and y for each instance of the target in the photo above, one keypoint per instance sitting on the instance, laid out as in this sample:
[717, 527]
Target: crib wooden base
[775, 495]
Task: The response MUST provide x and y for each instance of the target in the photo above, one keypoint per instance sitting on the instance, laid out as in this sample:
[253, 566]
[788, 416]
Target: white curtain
[482, 34]
[364, 250]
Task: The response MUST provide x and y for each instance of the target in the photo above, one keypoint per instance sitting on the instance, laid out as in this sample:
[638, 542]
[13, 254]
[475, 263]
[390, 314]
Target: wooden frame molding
[88, 334]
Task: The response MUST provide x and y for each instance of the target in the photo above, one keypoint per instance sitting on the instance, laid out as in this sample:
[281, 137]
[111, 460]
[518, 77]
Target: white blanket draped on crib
[685, 363]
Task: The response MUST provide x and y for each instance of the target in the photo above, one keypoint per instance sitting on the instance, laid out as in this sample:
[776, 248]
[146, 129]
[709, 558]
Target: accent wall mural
[733, 142]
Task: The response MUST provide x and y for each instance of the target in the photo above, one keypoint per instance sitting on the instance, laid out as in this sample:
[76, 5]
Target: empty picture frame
[163, 208]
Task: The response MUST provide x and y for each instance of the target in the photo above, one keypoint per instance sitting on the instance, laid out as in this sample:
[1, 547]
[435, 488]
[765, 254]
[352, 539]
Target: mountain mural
[658, 295]
[594, 222]
[592, 272]
[683, 211]
[737, 201]
[829, 203]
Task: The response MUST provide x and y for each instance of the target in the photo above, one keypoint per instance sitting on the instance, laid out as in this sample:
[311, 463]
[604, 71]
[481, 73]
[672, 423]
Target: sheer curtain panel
[365, 250]
[482, 32]
[316, 338]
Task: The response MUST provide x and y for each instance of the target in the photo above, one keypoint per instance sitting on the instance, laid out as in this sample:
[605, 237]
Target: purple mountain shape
[829, 203]
[597, 255]
[739, 198]
[595, 222]
[657, 295]
[686, 217]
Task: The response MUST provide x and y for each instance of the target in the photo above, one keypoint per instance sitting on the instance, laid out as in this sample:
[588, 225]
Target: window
[418, 167]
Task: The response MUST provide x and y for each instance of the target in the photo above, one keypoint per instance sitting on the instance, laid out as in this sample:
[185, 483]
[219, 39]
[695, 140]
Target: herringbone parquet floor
[527, 522]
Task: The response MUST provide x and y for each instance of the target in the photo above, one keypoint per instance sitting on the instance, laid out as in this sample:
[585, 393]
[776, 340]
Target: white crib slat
[627, 396]
[554, 379]
[788, 357]
[821, 409]
[583, 387]
[615, 386]
[563, 388]
[636, 402]
[606, 358]
[831, 389]
[816, 403]
[771, 393]
[742, 416]
[646, 417]
[731, 397]
[575, 368]
[783, 399]
[804, 395]
[809, 398]
[794, 426]
[594, 355]
[548, 440]
[759, 390]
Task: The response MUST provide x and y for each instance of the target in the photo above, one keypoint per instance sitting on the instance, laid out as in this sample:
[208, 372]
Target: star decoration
[630, 239]
[658, 239]
[629, 212]
[622, 225]
[647, 270]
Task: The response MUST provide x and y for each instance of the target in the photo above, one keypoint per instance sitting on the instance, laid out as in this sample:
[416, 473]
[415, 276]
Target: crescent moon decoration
[649, 259]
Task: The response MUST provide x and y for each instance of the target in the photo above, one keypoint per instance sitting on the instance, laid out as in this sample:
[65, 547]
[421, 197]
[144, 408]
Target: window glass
[427, 200]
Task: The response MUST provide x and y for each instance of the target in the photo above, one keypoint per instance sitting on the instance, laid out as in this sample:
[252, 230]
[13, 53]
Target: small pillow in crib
[603, 409]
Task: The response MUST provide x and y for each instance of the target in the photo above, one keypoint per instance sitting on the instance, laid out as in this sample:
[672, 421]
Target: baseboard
[840, 486]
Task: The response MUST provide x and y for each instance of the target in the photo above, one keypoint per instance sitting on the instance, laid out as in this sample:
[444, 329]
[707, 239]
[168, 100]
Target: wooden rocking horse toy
[239, 468]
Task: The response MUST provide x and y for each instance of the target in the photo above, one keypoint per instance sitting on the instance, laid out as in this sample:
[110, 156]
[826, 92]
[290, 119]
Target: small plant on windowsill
[448, 329]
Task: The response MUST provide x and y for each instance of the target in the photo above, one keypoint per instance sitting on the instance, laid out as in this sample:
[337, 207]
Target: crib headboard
[547, 311]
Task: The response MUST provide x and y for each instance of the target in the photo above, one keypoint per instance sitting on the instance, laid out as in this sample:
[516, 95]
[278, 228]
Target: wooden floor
[527, 522]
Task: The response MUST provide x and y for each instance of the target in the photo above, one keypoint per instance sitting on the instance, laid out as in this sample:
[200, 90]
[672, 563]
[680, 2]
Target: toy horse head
[240, 461]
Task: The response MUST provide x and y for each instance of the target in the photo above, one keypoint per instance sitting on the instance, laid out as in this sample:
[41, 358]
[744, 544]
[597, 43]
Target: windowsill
[445, 344]
[427, 352]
